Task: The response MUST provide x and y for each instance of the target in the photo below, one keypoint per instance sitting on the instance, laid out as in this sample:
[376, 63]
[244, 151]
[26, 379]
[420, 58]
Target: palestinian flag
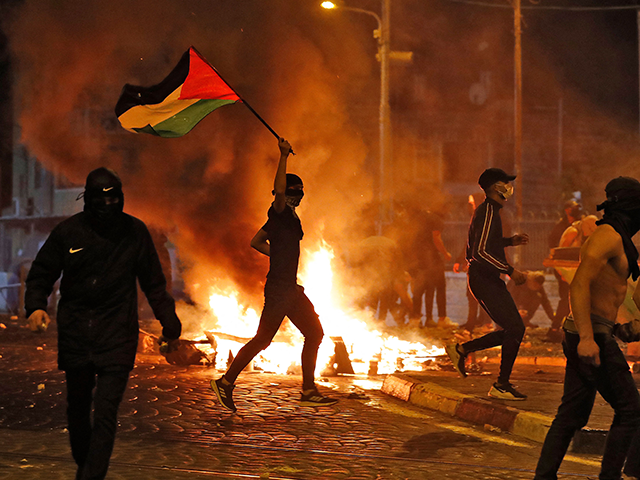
[174, 106]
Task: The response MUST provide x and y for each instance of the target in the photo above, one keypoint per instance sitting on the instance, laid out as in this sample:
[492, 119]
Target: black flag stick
[243, 100]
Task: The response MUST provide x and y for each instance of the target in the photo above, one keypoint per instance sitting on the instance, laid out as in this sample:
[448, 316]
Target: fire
[366, 346]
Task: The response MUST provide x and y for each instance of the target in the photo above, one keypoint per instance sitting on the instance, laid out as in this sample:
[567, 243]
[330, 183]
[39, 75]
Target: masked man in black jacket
[100, 252]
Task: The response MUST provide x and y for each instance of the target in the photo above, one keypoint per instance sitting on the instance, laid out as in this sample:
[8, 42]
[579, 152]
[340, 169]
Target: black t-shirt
[424, 248]
[284, 234]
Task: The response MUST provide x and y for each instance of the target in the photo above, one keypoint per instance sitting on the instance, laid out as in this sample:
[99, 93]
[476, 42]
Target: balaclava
[102, 184]
[622, 212]
[293, 196]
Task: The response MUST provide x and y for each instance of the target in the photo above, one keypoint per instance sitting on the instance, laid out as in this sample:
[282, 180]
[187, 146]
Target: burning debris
[352, 345]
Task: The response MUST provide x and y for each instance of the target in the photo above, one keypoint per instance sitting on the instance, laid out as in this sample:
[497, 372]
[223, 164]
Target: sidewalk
[466, 398]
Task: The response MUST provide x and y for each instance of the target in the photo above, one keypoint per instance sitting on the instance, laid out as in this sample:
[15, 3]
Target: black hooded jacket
[98, 309]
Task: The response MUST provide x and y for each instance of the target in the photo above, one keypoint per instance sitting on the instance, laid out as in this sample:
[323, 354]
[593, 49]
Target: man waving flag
[174, 106]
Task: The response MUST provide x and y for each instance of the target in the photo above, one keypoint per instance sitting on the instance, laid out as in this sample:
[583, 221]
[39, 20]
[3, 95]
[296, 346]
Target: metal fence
[527, 257]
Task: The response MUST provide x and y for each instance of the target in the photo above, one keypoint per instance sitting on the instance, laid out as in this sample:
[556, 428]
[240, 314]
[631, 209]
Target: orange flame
[237, 323]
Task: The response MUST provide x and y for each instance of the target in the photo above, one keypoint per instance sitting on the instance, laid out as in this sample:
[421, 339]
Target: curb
[470, 408]
[529, 425]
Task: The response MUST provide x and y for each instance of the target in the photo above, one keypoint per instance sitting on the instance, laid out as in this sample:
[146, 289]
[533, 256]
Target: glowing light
[234, 323]
[328, 5]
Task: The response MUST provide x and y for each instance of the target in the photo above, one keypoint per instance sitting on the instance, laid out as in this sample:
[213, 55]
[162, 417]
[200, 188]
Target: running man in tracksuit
[487, 261]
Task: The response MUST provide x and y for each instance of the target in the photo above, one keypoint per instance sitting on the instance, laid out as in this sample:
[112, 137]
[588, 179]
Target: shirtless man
[594, 360]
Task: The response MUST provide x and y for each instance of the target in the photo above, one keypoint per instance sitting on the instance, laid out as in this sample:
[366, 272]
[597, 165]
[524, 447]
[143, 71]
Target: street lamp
[384, 123]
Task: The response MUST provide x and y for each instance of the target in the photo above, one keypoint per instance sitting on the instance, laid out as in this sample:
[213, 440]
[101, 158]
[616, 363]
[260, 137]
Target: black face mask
[293, 196]
[623, 214]
[627, 210]
[103, 199]
[106, 209]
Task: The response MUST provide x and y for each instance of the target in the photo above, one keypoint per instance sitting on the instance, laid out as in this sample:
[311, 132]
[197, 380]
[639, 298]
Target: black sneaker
[506, 392]
[224, 394]
[315, 399]
[457, 358]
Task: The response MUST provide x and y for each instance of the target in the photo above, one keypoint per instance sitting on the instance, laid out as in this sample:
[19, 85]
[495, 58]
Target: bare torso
[609, 287]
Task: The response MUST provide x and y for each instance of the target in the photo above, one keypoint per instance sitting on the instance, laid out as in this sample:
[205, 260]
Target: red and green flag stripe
[174, 106]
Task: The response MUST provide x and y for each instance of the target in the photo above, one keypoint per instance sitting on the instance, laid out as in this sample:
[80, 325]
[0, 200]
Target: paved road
[170, 428]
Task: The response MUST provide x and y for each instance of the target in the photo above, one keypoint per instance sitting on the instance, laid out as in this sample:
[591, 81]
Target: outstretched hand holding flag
[173, 107]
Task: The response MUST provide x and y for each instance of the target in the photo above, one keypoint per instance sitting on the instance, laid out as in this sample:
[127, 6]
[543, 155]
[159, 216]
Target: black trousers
[492, 295]
[92, 441]
[476, 316]
[427, 282]
[581, 381]
[279, 302]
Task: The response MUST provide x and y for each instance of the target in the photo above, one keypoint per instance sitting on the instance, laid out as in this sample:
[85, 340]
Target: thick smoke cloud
[210, 189]
[313, 76]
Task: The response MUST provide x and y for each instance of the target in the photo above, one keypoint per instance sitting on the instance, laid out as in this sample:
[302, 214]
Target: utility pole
[517, 133]
[384, 56]
[384, 112]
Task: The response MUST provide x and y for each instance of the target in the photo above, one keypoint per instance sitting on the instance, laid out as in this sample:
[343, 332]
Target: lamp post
[384, 120]
[517, 18]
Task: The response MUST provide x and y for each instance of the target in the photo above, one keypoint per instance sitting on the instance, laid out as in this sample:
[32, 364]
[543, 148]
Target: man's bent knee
[314, 339]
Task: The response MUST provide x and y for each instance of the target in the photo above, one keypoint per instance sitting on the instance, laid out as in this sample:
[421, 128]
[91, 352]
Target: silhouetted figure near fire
[377, 269]
[279, 239]
[487, 261]
[100, 253]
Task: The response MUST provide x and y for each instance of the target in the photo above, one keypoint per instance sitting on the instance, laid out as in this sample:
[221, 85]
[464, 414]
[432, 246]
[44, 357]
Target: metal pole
[518, 108]
[384, 120]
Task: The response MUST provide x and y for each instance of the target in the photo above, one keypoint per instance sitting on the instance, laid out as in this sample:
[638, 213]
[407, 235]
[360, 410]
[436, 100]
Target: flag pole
[242, 99]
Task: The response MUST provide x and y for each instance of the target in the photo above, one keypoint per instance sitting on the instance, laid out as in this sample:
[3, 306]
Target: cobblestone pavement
[171, 428]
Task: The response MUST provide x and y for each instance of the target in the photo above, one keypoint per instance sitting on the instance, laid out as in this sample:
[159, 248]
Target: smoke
[210, 189]
[313, 76]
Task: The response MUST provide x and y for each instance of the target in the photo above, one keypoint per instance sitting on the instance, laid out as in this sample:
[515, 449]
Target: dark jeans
[492, 295]
[279, 302]
[92, 442]
[581, 382]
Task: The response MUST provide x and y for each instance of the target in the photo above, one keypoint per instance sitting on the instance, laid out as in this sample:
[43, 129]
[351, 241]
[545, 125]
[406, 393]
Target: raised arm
[280, 182]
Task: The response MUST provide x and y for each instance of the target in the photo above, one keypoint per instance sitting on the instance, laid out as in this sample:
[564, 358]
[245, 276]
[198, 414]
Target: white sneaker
[506, 392]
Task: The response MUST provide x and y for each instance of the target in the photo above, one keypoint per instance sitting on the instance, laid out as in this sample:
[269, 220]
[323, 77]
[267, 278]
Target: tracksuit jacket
[97, 314]
[485, 247]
